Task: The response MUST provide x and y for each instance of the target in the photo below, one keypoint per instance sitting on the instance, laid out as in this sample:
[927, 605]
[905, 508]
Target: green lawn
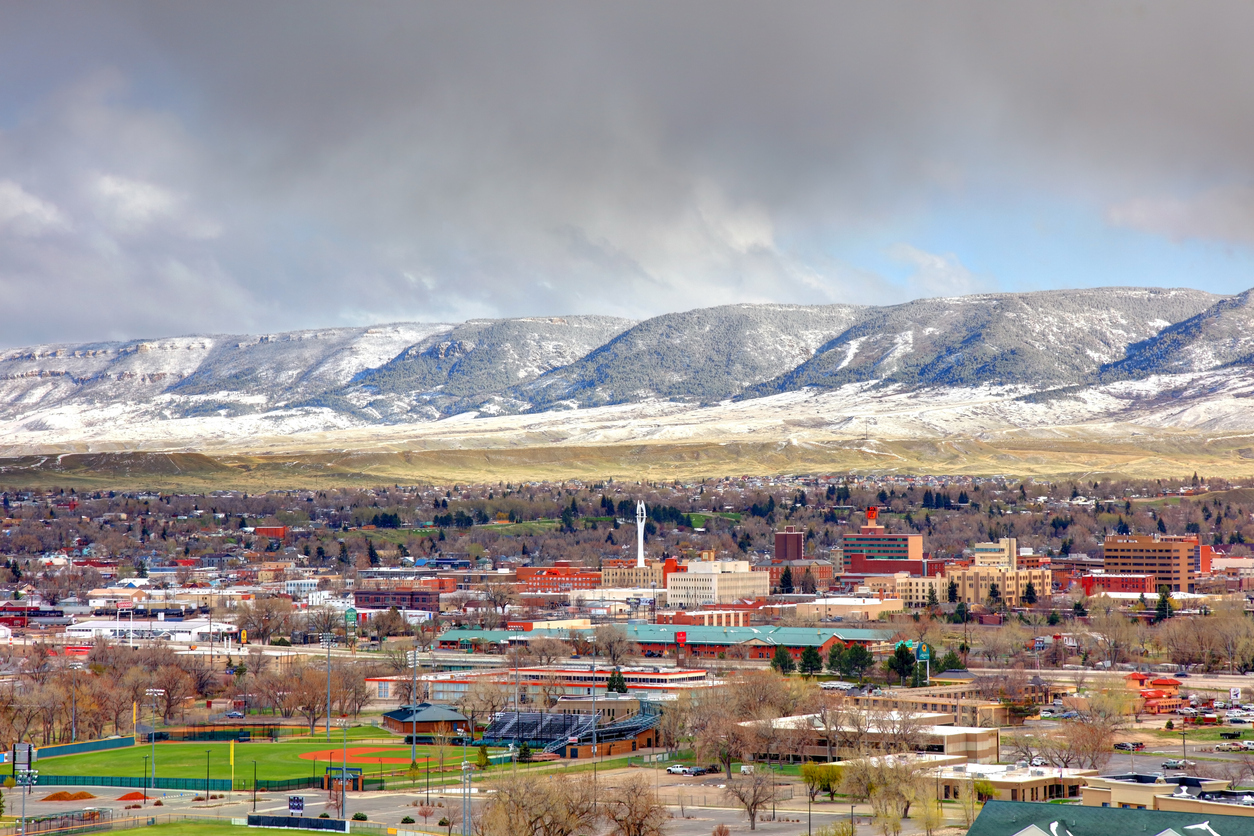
[1202, 734]
[274, 760]
[197, 828]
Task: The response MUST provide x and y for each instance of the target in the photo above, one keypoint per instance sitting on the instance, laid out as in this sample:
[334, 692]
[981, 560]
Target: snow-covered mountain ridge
[967, 365]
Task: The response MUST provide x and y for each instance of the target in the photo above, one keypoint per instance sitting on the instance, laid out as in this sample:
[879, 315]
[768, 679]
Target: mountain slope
[1045, 339]
[1222, 335]
[704, 355]
[198, 374]
[472, 365]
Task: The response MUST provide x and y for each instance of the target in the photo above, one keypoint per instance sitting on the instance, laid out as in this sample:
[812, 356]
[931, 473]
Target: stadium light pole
[145, 757]
[343, 723]
[75, 667]
[206, 776]
[152, 734]
[327, 639]
[254, 786]
[413, 698]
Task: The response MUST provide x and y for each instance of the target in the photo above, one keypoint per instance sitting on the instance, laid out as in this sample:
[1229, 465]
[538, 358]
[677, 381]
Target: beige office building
[715, 582]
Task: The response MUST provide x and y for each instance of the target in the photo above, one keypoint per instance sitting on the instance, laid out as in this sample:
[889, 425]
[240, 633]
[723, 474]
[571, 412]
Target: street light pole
[145, 757]
[206, 776]
[254, 786]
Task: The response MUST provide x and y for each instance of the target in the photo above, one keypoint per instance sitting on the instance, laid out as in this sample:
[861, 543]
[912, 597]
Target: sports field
[274, 760]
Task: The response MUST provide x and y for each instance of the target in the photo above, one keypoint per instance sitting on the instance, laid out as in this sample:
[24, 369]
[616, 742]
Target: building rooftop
[1016, 818]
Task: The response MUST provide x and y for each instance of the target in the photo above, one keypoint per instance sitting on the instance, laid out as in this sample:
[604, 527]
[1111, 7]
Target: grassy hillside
[1018, 454]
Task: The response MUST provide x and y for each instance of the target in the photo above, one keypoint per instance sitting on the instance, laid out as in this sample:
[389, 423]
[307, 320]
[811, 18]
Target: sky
[231, 167]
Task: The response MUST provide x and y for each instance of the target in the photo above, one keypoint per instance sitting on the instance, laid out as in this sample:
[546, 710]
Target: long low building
[884, 730]
[700, 642]
[189, 630]
[536, 683]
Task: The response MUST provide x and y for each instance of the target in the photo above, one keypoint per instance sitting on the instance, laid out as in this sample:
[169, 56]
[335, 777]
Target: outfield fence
[66, 824]
[131, 782]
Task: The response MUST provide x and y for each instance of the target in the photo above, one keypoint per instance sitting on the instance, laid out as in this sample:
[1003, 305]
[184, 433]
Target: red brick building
[790, 544]
[560, 577]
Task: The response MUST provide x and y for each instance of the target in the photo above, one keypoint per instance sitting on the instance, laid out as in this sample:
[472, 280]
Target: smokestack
[640, 535]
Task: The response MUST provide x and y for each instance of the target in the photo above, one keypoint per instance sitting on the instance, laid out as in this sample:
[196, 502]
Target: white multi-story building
[715, 582]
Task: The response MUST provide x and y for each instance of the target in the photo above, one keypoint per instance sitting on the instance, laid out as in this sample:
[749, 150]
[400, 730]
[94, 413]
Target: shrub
[359, 816]
[324, 815]
[407, 820]
[158, 803]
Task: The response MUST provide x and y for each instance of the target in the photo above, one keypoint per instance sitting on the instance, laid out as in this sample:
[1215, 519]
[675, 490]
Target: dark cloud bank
[174, 167]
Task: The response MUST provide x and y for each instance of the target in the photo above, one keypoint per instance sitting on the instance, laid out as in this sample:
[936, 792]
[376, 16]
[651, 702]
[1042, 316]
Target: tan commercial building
[1012, 783]
[1168, 559]
[715, 582]
[975, 583]
[1176, 793]
[847, 609]
[884, 730]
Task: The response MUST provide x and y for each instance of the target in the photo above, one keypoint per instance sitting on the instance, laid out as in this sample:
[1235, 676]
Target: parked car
[678, 770]
[1229, 747]
[1237, 721]
[1039, 761]
[235, 715]
[1177, 763]
[1129, 747]
[698, 770]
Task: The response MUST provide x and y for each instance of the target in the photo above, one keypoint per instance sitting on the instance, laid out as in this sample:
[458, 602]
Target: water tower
[640, 535]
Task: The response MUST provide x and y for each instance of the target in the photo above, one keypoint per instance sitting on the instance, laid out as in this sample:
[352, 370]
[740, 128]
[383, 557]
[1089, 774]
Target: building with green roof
[1019, 818]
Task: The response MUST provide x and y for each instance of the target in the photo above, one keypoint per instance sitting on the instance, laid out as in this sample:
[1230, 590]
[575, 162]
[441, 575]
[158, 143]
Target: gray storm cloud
[237, 166]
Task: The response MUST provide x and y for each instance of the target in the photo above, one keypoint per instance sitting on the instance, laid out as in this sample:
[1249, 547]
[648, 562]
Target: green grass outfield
[274, 760]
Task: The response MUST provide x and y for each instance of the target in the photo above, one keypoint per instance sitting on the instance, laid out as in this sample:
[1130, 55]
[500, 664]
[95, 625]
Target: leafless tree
[752, 792]
[633, 809]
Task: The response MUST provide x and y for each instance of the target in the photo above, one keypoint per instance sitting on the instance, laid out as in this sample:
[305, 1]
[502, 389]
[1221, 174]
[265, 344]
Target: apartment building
[1169, 559]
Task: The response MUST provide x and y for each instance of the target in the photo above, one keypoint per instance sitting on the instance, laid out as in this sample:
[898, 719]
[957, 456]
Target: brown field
[1020, 454]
